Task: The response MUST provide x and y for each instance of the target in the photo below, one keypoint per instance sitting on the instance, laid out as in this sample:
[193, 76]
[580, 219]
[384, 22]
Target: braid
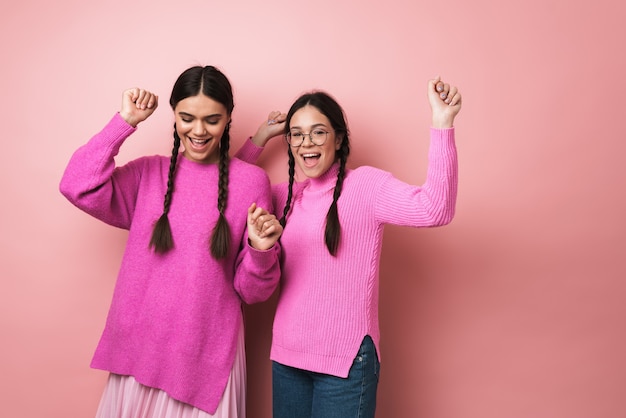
[332, 234]
[333, 227]
[220, 238]
[329, 108]
[292, 171]
[209, 82]
[161, 239]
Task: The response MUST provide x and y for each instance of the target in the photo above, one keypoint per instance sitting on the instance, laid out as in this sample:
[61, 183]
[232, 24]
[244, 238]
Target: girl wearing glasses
[173, 341]
[325, 346]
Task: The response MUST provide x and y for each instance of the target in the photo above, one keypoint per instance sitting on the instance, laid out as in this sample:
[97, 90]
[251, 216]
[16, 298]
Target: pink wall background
[514, 310]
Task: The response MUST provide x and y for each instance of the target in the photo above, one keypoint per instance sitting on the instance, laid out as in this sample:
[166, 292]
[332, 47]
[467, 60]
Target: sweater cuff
[445, 134]
[264, 259]
[442, 138]
[113, 135]
[118, 124]
[249, 152]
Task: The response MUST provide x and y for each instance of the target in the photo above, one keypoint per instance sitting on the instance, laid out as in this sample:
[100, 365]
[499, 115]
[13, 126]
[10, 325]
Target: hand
[445, 103]
[272, 127]
[263, 228]
[137, 105]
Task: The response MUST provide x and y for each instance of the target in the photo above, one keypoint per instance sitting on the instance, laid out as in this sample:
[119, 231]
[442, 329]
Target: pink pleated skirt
[124, 397]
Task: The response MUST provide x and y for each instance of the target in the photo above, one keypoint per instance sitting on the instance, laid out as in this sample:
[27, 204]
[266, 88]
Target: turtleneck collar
[326, 180]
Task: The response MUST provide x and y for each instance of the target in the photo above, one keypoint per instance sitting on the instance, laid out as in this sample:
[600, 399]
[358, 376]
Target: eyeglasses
[296, 139]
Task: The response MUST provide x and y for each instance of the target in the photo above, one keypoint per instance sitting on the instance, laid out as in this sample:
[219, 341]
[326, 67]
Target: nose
[199, 129]
[308, 137]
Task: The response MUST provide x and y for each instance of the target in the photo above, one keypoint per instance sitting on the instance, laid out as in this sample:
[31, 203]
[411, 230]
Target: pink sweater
[174, 318]
[327, 304]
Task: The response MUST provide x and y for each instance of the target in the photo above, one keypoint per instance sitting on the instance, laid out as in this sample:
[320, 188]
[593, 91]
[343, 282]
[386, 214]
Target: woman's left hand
[445, 103]
[270, 128]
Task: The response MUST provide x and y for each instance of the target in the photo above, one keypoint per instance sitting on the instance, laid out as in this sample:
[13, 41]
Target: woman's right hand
[137, 105]
[270, 128]
[263, 228]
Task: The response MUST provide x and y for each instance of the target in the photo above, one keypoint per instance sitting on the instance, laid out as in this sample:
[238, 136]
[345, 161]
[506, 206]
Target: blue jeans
[298, 393]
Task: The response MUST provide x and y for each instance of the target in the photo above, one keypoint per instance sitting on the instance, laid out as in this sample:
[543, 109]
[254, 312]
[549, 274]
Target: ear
[338, 141]
[227, 126]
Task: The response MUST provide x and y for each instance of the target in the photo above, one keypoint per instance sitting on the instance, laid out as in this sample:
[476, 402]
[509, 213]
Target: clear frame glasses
[316, 136]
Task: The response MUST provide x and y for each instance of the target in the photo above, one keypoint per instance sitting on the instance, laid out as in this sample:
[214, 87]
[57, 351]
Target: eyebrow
[315, 125]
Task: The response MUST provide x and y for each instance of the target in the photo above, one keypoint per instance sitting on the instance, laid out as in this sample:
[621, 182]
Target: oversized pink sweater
[174, 318]
[327, 304]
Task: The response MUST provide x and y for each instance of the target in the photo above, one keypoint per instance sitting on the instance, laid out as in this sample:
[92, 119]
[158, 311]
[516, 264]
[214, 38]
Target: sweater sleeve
[92, 182]
[433, 203]
[258, 272]
[249, 152]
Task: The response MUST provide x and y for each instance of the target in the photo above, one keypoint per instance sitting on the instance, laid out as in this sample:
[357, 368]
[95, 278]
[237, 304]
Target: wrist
[129, 120]
[258, 140]
[259, 246]
[442, 123]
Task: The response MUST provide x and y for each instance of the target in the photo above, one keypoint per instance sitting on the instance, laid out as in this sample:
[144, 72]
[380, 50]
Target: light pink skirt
[124, 397]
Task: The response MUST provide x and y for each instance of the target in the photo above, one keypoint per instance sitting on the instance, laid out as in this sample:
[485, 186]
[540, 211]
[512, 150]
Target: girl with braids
[325, 347]
[201, 240]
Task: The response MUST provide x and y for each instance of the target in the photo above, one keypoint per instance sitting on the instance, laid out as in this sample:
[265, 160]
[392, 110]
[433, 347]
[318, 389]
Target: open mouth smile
[310, 155]
[198, 143]
[310, 158]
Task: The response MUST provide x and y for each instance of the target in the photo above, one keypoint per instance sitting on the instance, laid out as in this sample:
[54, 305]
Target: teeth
[199, 141]
[310, 155]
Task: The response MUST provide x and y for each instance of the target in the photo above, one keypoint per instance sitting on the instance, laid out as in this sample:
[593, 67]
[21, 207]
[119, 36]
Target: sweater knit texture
[174, 318]
[327, 304]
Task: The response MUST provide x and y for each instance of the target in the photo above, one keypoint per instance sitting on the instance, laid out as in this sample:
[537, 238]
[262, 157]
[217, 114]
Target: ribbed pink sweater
[327, 304]
[174, 318]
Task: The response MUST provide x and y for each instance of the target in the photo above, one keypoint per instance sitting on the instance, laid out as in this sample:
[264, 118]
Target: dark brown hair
[212, 83]
[329, 107]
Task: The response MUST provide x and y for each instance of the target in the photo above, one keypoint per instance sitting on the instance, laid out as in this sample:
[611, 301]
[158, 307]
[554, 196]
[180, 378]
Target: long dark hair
[212, 83]
[329, 107]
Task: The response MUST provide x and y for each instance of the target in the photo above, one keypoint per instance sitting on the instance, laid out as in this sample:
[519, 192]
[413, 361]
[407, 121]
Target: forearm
[442, 177]
[87, 181]
[93, 163]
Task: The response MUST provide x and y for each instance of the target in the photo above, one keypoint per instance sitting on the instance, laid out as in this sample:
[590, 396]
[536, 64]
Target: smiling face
[200, 124]
[313, 160]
